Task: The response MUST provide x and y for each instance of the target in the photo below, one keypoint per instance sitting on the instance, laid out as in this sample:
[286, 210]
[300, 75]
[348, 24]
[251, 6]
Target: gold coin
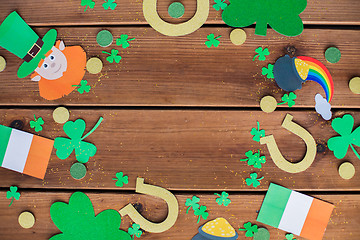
[2, 63]
[238, 36]
[268, 104]
[346, 170]
[94, 65]
[61, 115]
[26, 220]
[354, 85]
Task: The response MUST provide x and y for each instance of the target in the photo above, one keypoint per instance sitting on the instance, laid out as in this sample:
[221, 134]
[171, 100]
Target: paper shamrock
[87, 3]
[77, 220]
[201, 212]
[269, 71]
[290, 236]
[192, 203]
[121, 179]
[223, 199]
[113, 56]
[253, 180]
[250, 229]
[13, 194]
[219, 4]
[135, 230]
[124, 41]
[83, 150]
[83, 87]
[257, 133]
[281, 15]
[212, 41]
[261, 53]
[37, 124]
[340, 144]
[254, 159]
[289, 99]
[109, 4]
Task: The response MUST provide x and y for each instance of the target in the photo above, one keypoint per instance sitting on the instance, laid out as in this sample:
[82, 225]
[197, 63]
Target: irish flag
[24, 152]
[295, 212]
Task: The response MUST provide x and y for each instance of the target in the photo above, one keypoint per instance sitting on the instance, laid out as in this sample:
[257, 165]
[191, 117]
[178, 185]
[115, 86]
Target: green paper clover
[109, 4]
[124, 41]
[289, 99]
[88, 3]
[212, 41]
[269, 71]
[219, 4]
[192, 203]
[250, 229]
[257, 133]
[223, 199]
[253, 180]
[37, 124]
[201, 212]
[290, 236]
[261, 53]
[121, 179]
[13, 194]
[113, 56]
[83, 150]
[134, 231]
[254, 159]
[83, 87]
[77, 220]
[340, 144]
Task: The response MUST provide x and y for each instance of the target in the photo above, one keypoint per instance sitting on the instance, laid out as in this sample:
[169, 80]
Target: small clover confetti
[109, 4]
[269, 71]
[124, 41]
[135, 230]
[201, 212]
[88, 3]
[212, 41]
[113, 56]
[223, 198]
[219, 4]
[261, 53]
[254, 159]
[13, 194]
[257, 133]
[121, 179]
[290, 236]
[192, 203]
[253, 180]
[83, 87]
[250, 229]
[37, 124]
[289, 99]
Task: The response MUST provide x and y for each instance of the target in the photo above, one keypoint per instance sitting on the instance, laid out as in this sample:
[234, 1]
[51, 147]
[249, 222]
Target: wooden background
[179, 115]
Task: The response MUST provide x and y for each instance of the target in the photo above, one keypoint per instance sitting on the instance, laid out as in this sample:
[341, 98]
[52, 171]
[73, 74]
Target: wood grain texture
[186, 150]
[130, 12]
[157, 70]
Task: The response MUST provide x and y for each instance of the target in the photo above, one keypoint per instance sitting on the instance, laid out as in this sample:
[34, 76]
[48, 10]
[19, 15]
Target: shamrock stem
[106, 52]
[94, 128]
[258, 125]
[217, 37]
[198, 219]
[256, 56]
[34, 117]
[12, 199]
[281, 103]
[356, 153]
[240, 229]
[260, 178]
[85, 8]
[246, 159]
[114, 179]
[131, 39]
[187, 211]
[76, 85]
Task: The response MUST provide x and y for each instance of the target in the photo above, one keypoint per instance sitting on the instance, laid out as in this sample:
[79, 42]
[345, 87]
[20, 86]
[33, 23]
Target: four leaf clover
[124, 41]
[83, 87]
[250, 229]
[253, 180]
[121, 179]
[37, 124]
[201, 212]
[109, 4]
[192, 203]
[261, 53]
[290, 236]
[223, 198]
[219, 4]
[135, 230]
[212, 41]
[269, 71]
[13, 194]
[254, 159]
[88, 3]
[289, 99]
[257, 133]
[113, 56]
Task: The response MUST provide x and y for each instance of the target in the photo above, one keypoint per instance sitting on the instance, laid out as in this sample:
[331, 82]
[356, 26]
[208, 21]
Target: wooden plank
[181, 71]
[181, 150]
[130, 12]
[343, 223]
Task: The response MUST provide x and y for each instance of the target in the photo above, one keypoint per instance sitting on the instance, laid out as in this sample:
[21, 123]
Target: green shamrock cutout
[83, 87]
[83, 150]
[124, 41]
[340, 144]
[269, 71]
[121, 179]
[250, 229]
[192, 203]
[113, 56]
[88, 3]
[261, 53]
[37, 124]
[13, 194]
[289, 99]
[135, 231]
[109, 4]
[201, 212]
[254, 159]
[257, 133]
[219, 4]
[223, 199]
[290, 236]
[253, 180]
[212, 41]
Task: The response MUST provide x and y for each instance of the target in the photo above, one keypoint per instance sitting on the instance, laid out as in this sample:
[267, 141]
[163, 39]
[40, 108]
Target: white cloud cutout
[322, 107]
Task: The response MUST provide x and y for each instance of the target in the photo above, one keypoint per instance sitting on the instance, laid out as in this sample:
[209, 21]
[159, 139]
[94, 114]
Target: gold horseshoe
[167, 196]
[278, 158]
[169, 29]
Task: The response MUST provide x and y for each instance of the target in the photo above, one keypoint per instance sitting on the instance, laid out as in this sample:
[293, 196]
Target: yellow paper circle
[238, 36]
[346, 170]
[268, 104]
[61, 115]
[94, 65]
[26, 220]
[354, 85]
[2, 63]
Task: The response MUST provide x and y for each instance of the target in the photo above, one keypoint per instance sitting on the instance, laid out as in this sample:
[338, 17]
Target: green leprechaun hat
[18, 38]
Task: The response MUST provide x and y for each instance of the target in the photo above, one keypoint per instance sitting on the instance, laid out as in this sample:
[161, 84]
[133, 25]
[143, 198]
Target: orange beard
[55, 89]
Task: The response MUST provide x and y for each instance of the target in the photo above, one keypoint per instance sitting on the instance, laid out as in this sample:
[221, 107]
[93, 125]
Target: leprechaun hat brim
[28, 67]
